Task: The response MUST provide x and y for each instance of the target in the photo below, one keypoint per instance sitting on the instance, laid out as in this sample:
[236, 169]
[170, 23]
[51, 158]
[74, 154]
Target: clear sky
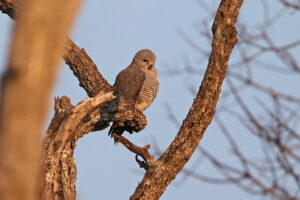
[111, 32]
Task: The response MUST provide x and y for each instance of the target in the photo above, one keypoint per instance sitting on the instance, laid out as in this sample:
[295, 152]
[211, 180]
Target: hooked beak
[150, 65]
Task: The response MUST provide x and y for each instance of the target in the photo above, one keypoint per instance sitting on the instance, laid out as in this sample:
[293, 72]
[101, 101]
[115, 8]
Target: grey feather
[137, 83]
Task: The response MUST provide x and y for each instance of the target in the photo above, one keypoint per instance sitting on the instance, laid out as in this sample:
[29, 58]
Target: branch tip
[139, 151]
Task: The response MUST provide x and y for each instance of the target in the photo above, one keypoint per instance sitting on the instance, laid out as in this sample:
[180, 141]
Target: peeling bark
[67, 126]
[116, 110]
[58, 165]
[59, 169]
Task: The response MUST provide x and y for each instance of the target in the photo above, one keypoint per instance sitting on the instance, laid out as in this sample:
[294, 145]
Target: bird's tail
[116, 128]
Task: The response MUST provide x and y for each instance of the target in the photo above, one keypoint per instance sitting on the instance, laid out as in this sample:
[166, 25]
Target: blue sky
[111, 32]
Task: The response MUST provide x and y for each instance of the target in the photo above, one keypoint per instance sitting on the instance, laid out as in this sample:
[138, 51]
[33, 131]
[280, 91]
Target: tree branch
[59, 168]
[67, 126]
[83, 67]
[63, 175]
[139, 151]
[9, 7]
[165, 169]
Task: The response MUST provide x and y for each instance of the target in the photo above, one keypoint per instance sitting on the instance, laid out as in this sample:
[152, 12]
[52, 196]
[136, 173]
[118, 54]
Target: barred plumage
[147, 93]
[138, 83]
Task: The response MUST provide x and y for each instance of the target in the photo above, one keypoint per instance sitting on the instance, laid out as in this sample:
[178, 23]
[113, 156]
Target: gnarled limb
[139, 151]
[67, 126]
[59, 178]
[59, 168]
[83, 67]
[79, 62]
[165, 169]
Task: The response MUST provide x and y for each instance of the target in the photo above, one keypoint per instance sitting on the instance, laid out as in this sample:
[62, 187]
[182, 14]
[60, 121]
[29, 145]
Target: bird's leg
[139, 151]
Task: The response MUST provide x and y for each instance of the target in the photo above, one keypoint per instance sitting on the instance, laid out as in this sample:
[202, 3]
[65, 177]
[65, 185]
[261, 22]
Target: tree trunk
[38, 41]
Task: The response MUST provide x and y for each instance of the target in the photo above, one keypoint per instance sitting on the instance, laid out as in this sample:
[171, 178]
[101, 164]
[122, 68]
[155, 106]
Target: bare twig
[291, 5]
[143, 152]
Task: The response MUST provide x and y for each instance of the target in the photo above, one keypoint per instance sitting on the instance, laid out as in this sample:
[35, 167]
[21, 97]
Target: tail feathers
[116, 128]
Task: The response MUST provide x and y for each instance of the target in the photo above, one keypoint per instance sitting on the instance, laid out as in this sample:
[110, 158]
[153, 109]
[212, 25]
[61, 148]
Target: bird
[137, 83]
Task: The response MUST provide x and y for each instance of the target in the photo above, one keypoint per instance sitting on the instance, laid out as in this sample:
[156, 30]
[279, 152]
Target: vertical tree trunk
[38, 42]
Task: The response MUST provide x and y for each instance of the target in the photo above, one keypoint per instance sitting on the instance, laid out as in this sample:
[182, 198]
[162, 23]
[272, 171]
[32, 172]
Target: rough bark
[67, 126]
[116, 110]
[38, 41]
[76, 58]
[9, 7]
[58, 165]
[85, 70]
[165, 169]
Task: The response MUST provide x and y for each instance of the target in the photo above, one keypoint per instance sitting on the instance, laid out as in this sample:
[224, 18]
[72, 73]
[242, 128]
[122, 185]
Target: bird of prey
[137, 83]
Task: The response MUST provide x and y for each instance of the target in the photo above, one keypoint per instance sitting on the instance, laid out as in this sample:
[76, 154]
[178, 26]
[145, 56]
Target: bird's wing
[129, 83]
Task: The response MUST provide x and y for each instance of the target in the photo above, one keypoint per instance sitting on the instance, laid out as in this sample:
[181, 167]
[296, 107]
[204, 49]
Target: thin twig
[139, 151]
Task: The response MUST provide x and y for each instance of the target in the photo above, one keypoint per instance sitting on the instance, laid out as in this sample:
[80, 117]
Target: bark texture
[165, 169]
[85, 70]
[58, 181]
[9, 7]
[59, 169]
[83, 67]
[38, 41]
[67, 126]
[70, 123]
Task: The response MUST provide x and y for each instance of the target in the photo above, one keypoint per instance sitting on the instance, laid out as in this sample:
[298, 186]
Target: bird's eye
[145, 60]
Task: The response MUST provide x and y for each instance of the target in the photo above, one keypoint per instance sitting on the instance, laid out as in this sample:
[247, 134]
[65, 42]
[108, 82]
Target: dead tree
[72, 122]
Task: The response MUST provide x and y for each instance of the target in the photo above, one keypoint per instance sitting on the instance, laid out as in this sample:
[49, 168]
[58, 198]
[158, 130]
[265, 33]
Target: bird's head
[145, 59]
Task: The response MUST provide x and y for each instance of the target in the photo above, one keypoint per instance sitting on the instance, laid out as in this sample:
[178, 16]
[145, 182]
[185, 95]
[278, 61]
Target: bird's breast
[147, 93]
